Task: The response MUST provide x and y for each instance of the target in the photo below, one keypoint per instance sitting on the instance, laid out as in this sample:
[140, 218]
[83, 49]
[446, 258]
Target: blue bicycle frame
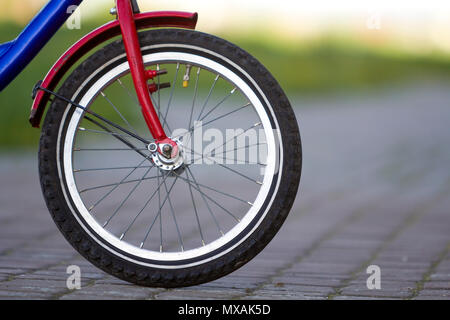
[15, 55]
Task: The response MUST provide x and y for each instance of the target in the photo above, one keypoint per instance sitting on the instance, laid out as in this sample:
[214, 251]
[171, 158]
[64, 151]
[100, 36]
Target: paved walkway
[375, 191]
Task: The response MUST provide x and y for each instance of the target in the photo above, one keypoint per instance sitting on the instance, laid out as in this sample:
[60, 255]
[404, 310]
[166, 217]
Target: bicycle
[122, 165]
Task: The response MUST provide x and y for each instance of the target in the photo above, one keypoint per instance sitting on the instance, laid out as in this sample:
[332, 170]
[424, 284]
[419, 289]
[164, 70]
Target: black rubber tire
[159, 277]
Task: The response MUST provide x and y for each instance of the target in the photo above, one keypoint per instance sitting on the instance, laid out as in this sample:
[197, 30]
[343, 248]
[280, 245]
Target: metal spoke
[206, 203]
[118, 112]
[194, 98]
[193, 127]
[231, 150]
[108, 149]
[208, 197]
[160, 219]
[111, 168]
[112, 133]
[224, 166]
[193, 102]
[235, 136]
[126, 198]
[134, 98]
[160, 116]
[121, 139]
[136, 101]
[159, 213]
[115, 184]
[218, 191]
[86, 110]
[220, 103]
[143, 208]
[127, 90]
[195, 211]
[112, 190]
[209, 96]
[213, 158]
[171, 94]
[226, 114]
[159, 92]
[180, 239]
[239, 173]
[245, 147]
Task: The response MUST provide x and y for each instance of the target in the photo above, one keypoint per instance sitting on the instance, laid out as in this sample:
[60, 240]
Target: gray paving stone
[109, 291]
[444, 285]
[343, 297]
[375, 190]
[423, 297]
[198, 294]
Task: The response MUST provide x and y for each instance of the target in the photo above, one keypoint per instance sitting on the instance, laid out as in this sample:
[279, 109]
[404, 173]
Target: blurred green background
[342, 58]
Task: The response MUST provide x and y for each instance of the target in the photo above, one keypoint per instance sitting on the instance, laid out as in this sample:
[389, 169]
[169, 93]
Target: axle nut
[152, 147]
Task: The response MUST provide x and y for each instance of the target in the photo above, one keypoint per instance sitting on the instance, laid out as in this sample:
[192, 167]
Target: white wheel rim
[146, 254]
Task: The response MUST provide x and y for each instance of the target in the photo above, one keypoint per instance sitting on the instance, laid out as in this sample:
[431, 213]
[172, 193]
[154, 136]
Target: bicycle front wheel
[171, 224]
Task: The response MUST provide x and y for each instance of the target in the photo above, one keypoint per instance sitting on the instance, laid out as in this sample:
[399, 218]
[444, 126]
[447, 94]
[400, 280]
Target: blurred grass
[324, 66]
[335, 64]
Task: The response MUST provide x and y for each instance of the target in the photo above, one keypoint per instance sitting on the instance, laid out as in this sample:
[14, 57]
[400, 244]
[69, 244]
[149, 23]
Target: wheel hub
[164, 157]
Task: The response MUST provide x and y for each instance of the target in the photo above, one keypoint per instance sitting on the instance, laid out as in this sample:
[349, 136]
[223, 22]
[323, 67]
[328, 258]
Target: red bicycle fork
[140, 76]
